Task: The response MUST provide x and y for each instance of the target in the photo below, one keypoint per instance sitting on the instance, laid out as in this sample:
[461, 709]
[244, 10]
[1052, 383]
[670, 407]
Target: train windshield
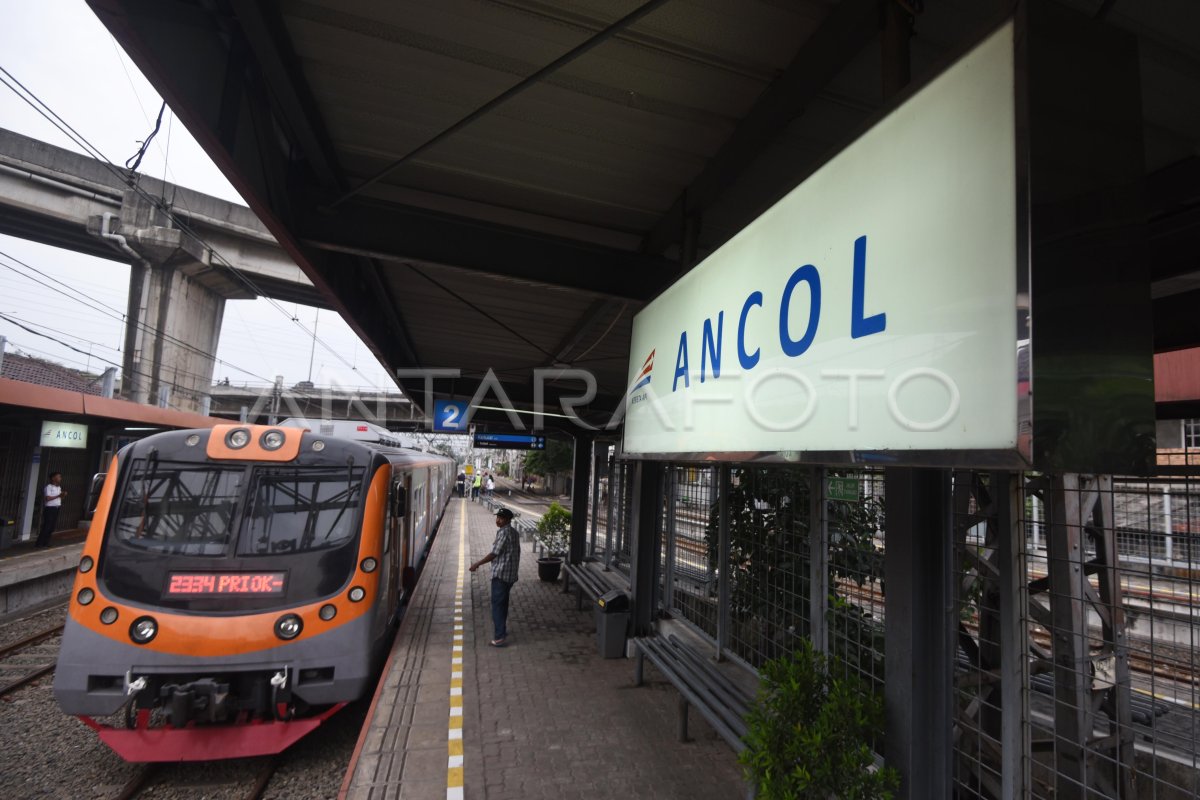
[179, 507]
[295, 510]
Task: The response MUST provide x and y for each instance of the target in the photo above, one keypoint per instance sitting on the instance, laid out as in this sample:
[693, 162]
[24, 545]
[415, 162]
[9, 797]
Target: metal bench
[723, 701]
[586, 580]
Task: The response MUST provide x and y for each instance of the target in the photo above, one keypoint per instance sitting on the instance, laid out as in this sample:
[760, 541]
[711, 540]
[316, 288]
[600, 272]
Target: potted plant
[553, 531]
[810, 733]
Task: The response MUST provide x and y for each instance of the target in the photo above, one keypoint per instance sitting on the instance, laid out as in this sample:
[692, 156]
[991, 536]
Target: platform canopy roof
[503, 184]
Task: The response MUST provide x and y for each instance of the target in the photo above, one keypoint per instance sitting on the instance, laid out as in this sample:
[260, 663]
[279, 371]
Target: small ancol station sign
[871, 310]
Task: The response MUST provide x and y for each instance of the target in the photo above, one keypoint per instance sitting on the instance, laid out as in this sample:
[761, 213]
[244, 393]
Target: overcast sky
[74, 304]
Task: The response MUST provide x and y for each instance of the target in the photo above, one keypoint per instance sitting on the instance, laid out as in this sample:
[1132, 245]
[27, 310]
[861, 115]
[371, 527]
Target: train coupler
[203, 700]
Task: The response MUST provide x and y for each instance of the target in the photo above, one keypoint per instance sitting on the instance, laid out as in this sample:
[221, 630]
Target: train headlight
[328, 611]
[272, 440]
[143, 630]
[288, 626]
[357, 594]
[192, 440]
[86, 564]
[237, 438]
[85, 597]
[369, 564]
[318, 446]
[108, 616]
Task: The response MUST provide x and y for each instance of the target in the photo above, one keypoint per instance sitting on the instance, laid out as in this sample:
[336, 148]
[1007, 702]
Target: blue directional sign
[510, 441]
[450, 416]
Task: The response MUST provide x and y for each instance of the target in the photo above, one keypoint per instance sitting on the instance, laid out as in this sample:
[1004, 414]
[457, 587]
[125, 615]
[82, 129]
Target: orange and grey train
[239, 585]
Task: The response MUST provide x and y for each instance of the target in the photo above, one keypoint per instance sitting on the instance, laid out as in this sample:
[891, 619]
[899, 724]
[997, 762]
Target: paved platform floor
[544, 717]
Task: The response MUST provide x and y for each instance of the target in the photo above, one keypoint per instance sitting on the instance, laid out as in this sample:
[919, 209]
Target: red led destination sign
[220, 583]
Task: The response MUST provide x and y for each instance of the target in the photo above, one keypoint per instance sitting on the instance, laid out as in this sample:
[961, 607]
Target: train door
[420, 512]
[408, 563]
[402, 553]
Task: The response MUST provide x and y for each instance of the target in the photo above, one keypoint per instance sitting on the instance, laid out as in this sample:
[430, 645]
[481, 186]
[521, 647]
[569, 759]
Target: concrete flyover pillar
[175, 309]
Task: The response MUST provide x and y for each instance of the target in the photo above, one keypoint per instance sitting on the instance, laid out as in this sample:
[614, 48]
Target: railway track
[24, 661]
[248, 782]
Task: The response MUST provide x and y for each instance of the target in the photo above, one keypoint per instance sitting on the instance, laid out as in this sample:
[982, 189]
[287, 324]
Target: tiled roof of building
[47, 373]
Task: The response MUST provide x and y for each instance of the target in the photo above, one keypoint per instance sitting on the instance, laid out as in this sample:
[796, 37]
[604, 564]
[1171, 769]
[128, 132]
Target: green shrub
[554, 530]
[810, 734]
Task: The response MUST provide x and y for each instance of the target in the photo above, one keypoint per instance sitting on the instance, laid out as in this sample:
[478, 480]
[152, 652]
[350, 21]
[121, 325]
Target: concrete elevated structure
[260, 404]
[188, 252]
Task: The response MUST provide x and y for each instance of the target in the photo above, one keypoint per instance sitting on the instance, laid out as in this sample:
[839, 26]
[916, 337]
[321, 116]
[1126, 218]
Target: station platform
[543, 717]
[33, 577]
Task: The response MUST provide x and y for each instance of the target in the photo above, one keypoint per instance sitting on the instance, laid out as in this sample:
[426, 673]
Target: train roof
[368, 433]
[355, 430]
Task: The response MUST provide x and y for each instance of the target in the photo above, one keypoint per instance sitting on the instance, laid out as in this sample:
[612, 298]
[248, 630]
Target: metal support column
[669, 528]
[647, 512]
[594, 516]
[579, 498]
[818, 562]
[1088, 678]
[616, 490]
[1014, 673]
[1072, 688]
[918, 641]
[724, 590]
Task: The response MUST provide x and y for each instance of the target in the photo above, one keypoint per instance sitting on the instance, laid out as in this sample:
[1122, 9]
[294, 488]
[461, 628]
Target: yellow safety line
[454, 743]
[1165, 698]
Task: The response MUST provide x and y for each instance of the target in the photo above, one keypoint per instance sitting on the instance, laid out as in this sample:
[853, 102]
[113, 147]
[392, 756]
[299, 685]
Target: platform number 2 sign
[450, 415]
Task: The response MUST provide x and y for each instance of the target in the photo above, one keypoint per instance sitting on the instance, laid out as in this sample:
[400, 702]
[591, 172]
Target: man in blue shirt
[505, 559]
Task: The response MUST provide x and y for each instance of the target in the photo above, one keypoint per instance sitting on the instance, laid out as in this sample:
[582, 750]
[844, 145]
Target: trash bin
[612, 620]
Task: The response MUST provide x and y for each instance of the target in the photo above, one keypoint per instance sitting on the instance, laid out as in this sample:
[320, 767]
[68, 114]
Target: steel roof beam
[850, 26]
[264, 30]
[404, 234]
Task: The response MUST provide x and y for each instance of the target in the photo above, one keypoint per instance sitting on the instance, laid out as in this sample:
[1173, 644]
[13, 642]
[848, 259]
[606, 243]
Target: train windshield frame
[300, 509]
[179, 507]
[194, 509]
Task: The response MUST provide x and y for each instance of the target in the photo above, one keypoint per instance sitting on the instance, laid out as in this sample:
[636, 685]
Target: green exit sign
[845, 489]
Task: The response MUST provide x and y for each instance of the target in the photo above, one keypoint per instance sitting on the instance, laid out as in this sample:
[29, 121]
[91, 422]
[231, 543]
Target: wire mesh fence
[689, 546]
[1075, 629]
[855, 536]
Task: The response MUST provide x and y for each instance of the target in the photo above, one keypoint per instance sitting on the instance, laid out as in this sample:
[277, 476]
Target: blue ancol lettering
[712, 341]
[860, 326]
[681, 364]
[747, 360]
[710, 350]
[796, 347]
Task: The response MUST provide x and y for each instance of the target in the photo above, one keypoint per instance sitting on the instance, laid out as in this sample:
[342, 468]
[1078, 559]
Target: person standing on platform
[489, 485]
[52, 497]
[460, 484]
[505, 559]
[476, 486]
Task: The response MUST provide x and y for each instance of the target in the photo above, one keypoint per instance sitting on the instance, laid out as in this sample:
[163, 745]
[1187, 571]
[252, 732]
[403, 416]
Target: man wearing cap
[505, 559]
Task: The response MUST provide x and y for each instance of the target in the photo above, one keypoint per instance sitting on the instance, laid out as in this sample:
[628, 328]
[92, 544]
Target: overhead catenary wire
[24, 325]
[119, 315]
[179, 389]
[137, 157]
[116, 314]
[30, 98]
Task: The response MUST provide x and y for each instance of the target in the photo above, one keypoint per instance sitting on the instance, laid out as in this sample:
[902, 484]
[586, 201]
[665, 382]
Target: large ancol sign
[873, 310]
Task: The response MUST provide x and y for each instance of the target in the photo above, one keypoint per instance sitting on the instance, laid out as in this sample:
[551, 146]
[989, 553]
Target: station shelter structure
[850, 308]
[68, 427]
